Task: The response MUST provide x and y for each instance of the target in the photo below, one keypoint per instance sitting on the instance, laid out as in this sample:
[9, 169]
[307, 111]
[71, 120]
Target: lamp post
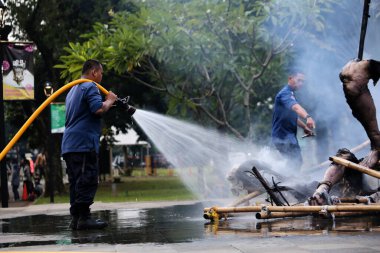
[48, 90]
[4, 31]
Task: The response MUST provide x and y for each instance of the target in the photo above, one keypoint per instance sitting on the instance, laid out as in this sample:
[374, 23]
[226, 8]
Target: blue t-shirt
[284, 121]
[83, 126]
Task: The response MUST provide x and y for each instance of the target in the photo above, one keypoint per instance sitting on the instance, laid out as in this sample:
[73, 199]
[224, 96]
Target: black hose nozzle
[123, 102]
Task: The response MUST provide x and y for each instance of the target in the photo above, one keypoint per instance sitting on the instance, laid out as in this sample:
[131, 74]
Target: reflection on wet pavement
[158, 225]
[181, 223]
[295, 226]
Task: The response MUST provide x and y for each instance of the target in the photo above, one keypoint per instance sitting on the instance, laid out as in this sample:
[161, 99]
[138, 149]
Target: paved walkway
[18, 203]
[63, 209]
[218, 241]
[240, 245]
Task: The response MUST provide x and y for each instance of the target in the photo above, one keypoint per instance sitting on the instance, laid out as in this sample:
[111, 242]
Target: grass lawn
[136, 188]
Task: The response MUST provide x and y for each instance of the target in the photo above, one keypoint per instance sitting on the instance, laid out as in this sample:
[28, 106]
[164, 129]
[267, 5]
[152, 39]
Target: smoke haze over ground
[335, 124]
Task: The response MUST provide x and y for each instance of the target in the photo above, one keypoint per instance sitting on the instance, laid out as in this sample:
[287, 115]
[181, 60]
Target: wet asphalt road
[180, 227]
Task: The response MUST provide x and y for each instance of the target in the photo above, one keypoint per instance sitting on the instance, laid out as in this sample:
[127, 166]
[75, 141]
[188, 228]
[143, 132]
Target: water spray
[121, 102]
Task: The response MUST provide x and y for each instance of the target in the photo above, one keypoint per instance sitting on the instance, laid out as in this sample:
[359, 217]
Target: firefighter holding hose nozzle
[80, 143]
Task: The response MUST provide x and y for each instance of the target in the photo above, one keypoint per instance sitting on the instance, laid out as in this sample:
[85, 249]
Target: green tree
[50, 24]
[217, 61]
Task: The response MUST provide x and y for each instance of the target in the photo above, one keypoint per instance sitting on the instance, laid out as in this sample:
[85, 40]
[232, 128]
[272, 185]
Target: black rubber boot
[89, 223]
[74, 222]
[74, 217]
[86, 222]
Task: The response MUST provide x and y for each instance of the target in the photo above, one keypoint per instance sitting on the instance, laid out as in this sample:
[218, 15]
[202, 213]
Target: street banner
[18, 74]
[57, 117]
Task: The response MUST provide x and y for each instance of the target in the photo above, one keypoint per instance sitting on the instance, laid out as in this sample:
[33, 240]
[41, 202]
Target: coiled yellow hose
[41, 108]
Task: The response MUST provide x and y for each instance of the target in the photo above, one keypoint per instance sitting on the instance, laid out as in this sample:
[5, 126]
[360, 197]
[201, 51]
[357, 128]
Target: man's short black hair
[90, 65]
[294, 71]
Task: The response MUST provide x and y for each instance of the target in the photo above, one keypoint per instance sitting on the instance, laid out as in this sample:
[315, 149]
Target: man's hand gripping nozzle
[123, 103]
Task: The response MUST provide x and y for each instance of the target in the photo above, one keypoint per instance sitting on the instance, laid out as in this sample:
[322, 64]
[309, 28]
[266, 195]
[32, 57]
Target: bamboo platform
[268, 211]
[347, 207]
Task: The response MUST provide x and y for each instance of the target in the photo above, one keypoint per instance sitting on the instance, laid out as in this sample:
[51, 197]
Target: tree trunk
[54, 167]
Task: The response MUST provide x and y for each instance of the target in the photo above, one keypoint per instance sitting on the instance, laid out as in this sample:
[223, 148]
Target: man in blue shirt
[287, 115]
[80, 144]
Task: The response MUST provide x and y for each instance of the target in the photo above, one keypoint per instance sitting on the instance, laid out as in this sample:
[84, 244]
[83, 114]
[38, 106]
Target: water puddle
[301, 226]
[175, 224]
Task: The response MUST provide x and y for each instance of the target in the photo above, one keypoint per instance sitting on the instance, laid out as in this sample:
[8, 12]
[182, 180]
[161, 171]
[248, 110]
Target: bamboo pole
[353, 150]
[361, 146]
[246, 198]
[362, 200]
[266, 215]
[307, 209]
[355, 166]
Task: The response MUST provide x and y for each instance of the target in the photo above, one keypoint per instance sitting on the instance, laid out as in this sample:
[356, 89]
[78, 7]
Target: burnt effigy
[264, 179]
[355, 76]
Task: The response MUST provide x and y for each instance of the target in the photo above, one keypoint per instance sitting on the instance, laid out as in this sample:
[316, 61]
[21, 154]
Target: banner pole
[4, 176]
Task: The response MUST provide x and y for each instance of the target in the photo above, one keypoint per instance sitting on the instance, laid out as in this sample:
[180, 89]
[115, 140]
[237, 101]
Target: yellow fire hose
[41, 108]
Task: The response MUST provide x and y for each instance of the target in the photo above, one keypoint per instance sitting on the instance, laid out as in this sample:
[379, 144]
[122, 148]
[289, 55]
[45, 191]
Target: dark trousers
[83, 172]
[15, 192]
[292, 152]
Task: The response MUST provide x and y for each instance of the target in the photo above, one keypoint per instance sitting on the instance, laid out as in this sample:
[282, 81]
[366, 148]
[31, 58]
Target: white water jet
[202, 157]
